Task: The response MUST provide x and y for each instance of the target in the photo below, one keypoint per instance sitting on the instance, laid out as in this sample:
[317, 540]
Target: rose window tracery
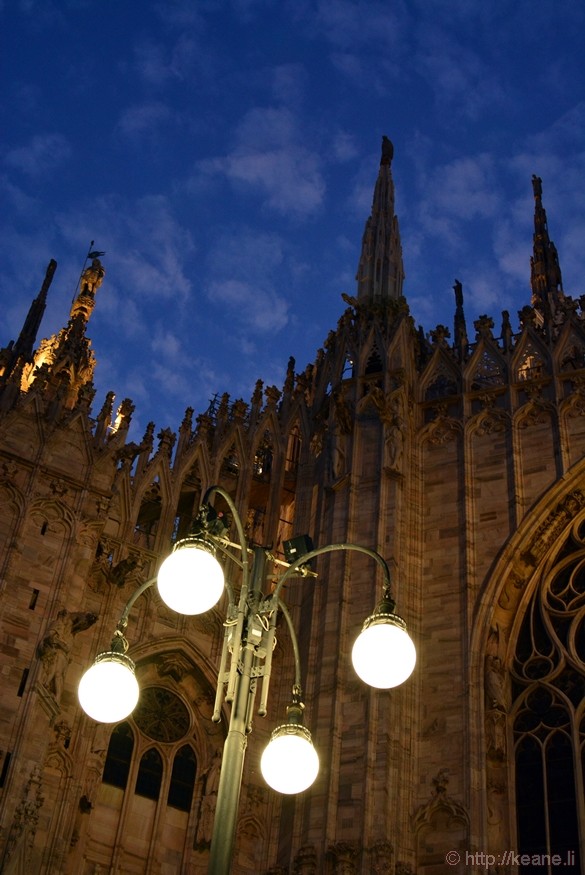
[161, 715]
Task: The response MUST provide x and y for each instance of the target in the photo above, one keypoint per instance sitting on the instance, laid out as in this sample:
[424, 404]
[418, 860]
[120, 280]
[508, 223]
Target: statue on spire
[92, 277]
[387, 150]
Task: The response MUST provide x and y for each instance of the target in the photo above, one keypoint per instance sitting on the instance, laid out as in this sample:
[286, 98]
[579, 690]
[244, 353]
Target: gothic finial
[23, 348]
[545, 272]
[380, 272]
[387, 150]
[461, 339]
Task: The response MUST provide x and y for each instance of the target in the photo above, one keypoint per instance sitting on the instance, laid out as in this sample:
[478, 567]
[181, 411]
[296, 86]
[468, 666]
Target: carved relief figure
[338, 439]
[55, 648]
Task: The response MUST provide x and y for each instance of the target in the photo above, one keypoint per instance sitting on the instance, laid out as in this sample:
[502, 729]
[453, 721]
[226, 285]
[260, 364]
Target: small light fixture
[108, 691]
[190, 580]
[384, 655]
[290, 763]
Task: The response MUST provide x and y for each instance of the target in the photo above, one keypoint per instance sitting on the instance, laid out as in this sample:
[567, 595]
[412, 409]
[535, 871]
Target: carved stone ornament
[440, 802]
[344, 856]
[305, 862]
[24, 827]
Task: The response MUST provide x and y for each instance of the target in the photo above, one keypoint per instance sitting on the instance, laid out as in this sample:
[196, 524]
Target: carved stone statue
[495, 684]
[495, 724]
[395, 435]
[92, 277]
[55, 647]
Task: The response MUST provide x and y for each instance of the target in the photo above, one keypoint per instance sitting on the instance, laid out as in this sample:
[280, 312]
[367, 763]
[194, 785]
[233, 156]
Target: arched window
[119, 756]
[182, 779]
[548, 678]
[546, 794]
[149, 774]
[374, 363]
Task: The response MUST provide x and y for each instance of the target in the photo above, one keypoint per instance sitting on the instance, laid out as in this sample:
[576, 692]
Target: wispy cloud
[455, 73]
[162, 63]
[135, 121]
[289, 82]
[453, 194]
[243, 266]
[262, 310]
[269, 157]
[42, 154]
[349, 24]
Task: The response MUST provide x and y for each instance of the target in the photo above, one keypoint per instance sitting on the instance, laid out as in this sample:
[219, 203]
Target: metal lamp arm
[270, 637]
[218, 490]
[295, 643]
[319, 551]
[277, 604]
[123, 621]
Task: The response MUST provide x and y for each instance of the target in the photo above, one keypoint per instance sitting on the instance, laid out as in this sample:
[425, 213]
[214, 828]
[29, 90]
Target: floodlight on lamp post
[191, 581]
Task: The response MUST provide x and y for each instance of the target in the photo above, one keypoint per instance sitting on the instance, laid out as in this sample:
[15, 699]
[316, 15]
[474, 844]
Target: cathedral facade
[458, 455]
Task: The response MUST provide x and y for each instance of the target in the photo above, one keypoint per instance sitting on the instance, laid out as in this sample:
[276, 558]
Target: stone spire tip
[387, 151]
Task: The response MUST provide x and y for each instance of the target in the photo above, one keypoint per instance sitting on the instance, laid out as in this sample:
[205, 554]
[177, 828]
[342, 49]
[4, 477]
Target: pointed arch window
[119, 757]
[188, 503]
[548, 678]
[348, 368]
[488, 372]
[374, 363]
[442, 386]
[182, 779]
[293, 450]
[264, 456]
[531, 364]
[231, 462]
[150, 773]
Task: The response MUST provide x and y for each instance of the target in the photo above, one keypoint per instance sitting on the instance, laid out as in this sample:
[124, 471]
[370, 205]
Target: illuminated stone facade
[460, 460]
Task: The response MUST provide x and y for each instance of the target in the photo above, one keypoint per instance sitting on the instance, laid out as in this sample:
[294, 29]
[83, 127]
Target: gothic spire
[380, 272]
[460, 340]
[63, 364]
[18, 354]
[545, 271]
[27, 338]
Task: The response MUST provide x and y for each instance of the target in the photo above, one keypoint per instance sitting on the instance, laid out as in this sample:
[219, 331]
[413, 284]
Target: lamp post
[191, 581]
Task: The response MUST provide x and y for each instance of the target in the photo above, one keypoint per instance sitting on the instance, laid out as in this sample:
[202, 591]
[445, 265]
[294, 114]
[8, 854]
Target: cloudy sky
[223, 154]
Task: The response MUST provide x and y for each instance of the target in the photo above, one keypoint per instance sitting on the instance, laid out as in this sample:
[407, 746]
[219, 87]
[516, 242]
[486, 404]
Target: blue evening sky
[223, 153]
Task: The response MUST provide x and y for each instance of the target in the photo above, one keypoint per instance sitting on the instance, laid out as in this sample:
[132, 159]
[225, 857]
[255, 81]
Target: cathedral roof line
[62, 366]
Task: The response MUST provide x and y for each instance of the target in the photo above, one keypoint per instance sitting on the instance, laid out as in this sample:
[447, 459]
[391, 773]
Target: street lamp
[191, 581]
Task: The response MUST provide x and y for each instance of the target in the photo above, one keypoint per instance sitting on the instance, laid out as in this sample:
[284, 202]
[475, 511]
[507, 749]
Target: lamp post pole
[383, 656]
[232, 764]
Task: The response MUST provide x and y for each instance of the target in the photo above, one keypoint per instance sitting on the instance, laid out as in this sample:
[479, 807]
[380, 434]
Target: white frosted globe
[190, 580]
[108, 691]
[384, 655]
[290, 763]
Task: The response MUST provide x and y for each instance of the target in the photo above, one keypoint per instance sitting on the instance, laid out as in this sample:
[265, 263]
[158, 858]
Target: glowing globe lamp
[190, 580]
[383, 655]
[290, 763]
[108, 691]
